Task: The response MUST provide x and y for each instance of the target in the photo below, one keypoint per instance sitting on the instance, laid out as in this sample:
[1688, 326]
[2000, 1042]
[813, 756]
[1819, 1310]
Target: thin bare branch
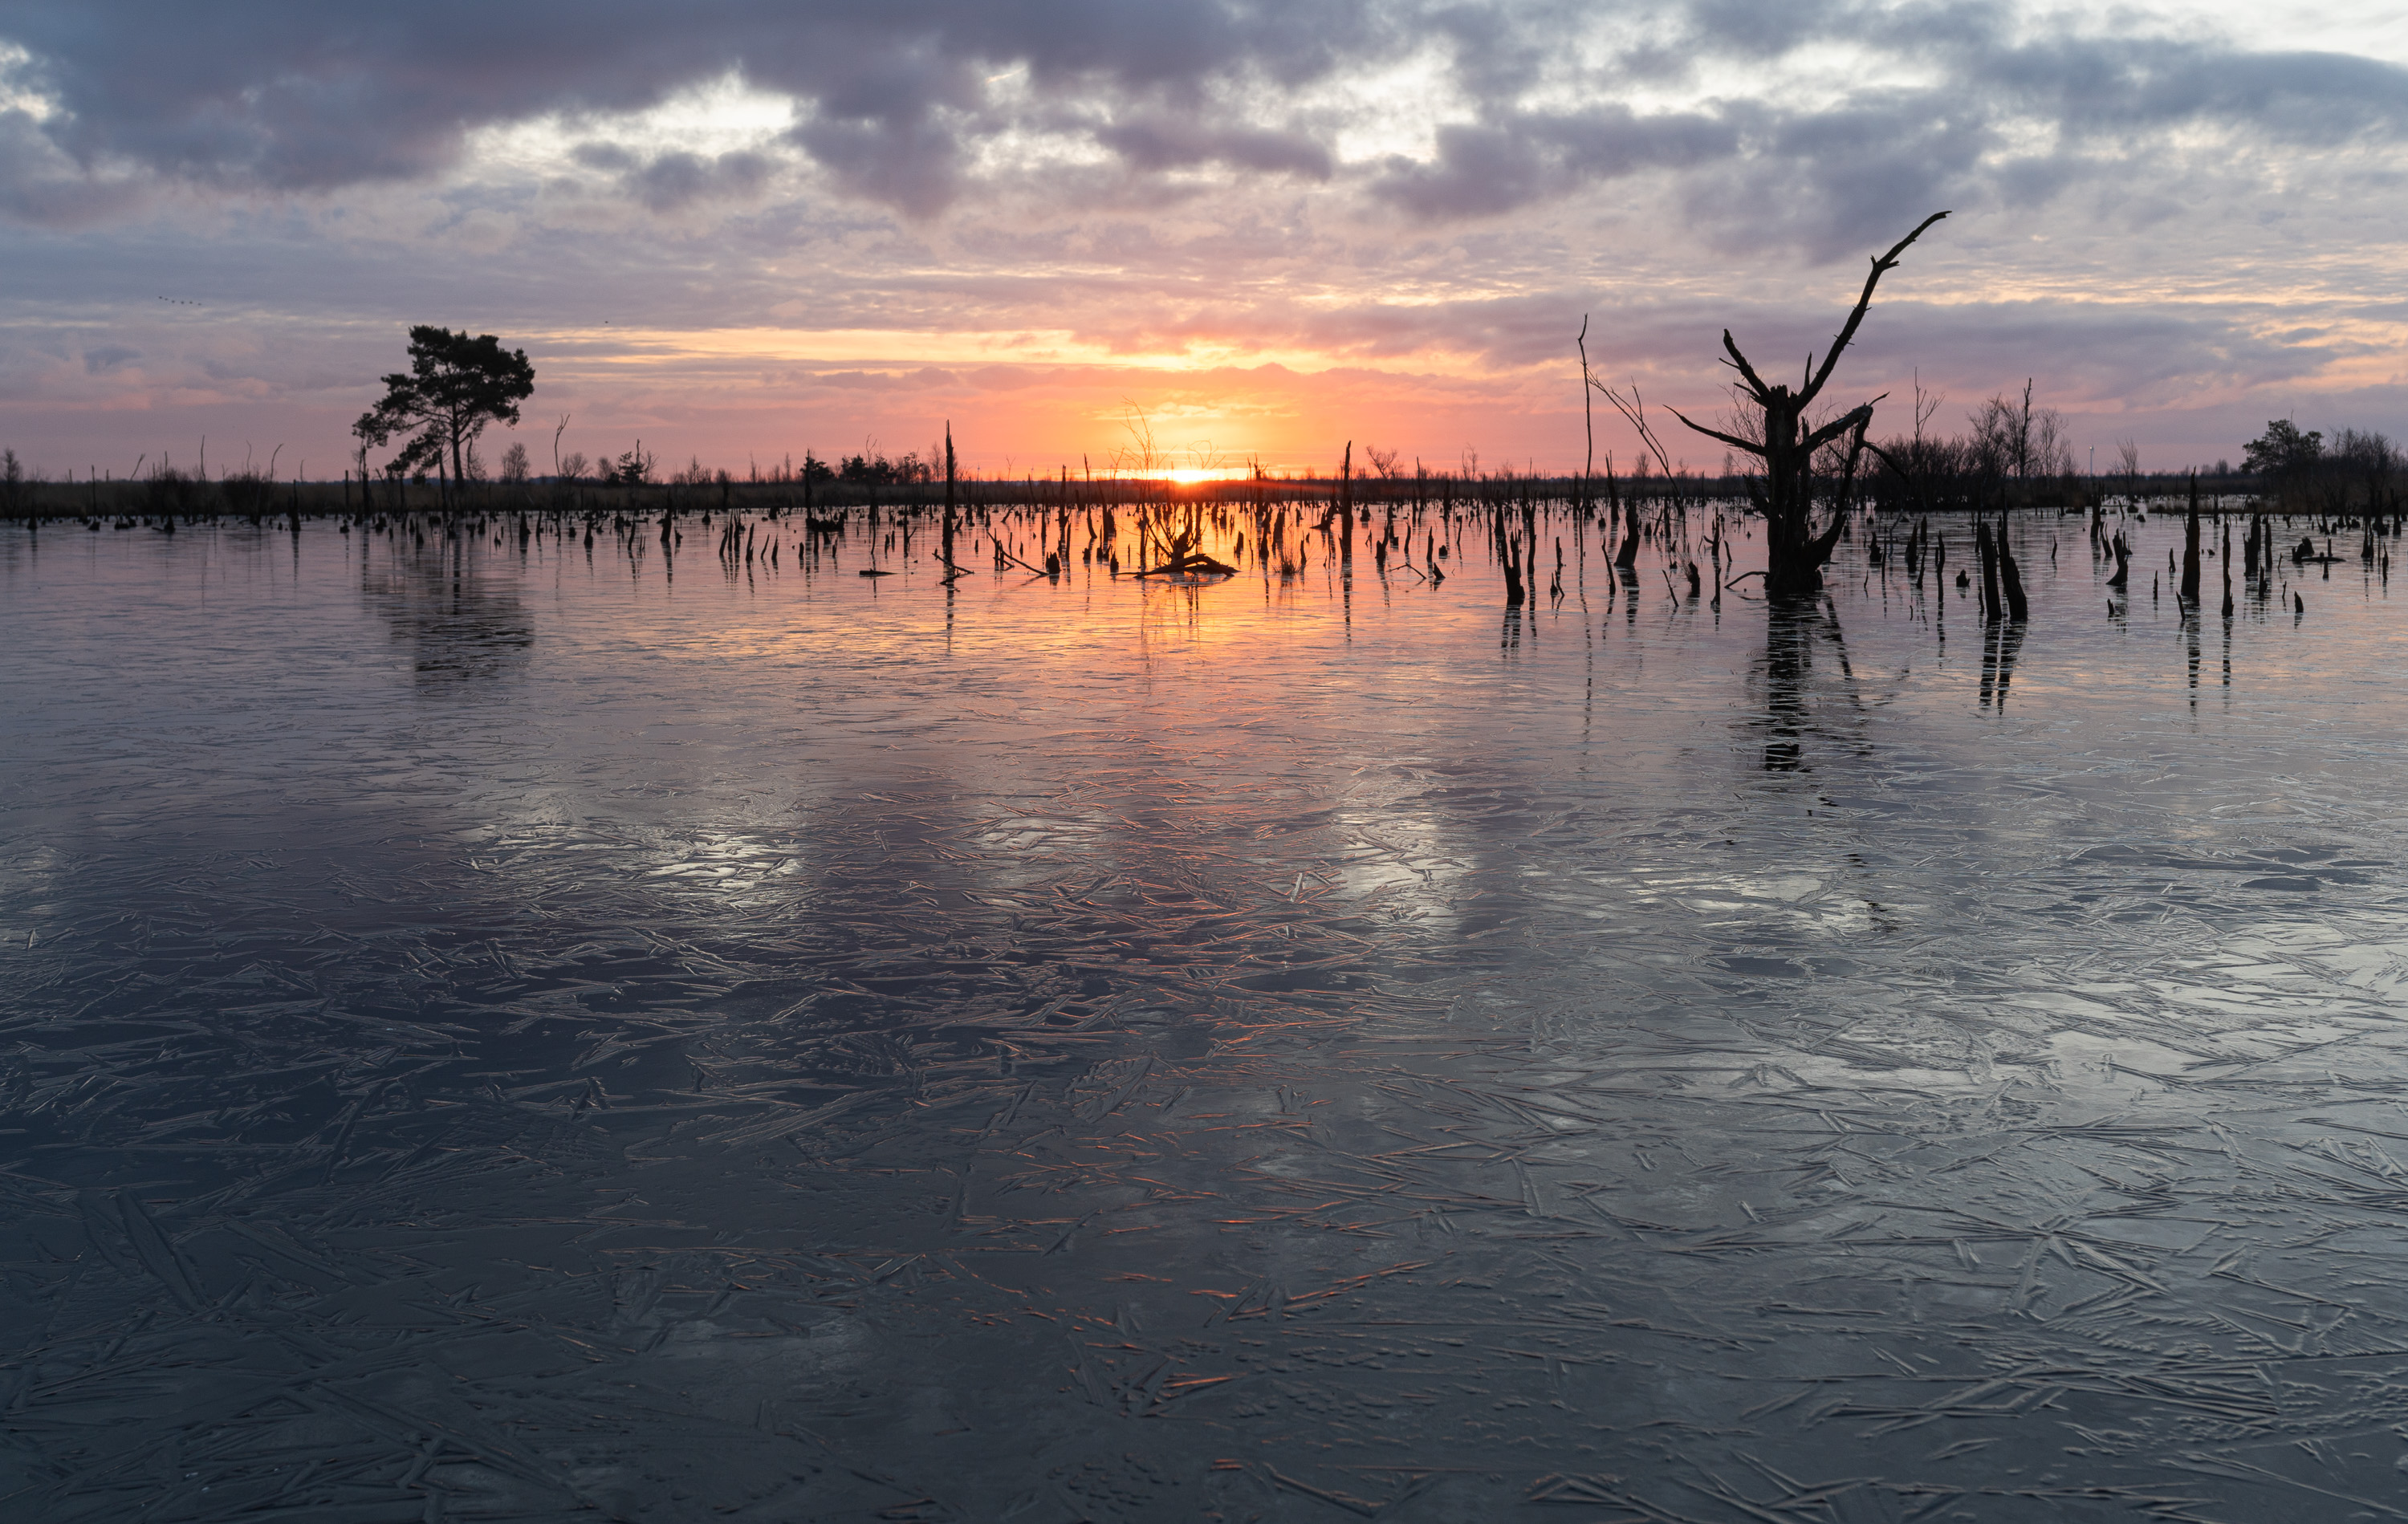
[1748, 444]
[1888, 460]
[1739, 362]
[1881, 266]
[1634, 409]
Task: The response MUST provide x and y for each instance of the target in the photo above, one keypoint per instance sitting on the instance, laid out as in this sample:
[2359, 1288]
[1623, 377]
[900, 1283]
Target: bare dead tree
[1588, 421]
[1633, 409]
[1794, 551]
[2127, 457]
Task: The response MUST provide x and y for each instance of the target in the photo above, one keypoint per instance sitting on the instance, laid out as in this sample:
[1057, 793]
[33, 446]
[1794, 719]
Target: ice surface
[496, 1030]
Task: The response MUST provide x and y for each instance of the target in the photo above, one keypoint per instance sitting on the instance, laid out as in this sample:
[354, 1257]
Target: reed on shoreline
[251, 494]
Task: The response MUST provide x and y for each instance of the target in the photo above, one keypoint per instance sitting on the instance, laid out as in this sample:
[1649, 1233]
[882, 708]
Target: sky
[737, 230]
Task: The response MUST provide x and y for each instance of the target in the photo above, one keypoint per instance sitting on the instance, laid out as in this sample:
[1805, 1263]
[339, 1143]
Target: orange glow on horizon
[1020, 409]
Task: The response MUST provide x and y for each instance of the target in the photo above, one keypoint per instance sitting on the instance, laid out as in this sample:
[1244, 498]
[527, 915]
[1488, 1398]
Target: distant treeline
[2360, 469]
[640, 468]
[164, 488]
[2015, 455]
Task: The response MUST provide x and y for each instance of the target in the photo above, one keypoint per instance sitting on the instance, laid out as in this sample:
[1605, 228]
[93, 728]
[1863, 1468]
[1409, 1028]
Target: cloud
[39, 184]
[606, 156]
[1166, 142]
[1485, 168]
[923, 379]
[913, 166]
[1837, 182]
[281, 96]
[672, 181]
[911, 106]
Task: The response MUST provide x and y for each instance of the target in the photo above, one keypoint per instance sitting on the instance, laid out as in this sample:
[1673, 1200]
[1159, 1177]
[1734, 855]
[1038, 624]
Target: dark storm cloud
[896, 103]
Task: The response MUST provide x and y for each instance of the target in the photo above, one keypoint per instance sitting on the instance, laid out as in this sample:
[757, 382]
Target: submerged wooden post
[2190, 548]
[2011, 580]
[948, 533]
[2227, 559]
[1987, 551]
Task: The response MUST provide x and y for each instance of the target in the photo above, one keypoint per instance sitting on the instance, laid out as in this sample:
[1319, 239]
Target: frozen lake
[493, 1030]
